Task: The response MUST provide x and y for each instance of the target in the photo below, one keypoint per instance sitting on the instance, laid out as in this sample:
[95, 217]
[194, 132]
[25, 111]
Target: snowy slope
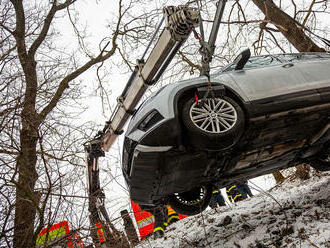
[294, 214]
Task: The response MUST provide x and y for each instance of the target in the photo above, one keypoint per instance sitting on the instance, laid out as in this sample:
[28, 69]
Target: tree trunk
[27, 201]
[287, 26]
[278, 177]
[27, 44]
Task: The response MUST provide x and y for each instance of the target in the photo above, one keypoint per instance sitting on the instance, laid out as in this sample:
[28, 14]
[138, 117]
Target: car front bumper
[159, 171]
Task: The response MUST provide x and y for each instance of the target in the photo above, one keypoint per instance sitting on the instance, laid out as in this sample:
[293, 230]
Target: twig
[267, 194]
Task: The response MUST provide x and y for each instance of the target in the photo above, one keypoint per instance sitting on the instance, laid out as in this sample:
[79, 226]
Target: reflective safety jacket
[146, 220]
[233, 194]
[172, 216]
[59, 234]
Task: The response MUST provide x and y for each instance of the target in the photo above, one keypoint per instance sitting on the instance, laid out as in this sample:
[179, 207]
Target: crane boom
[179, 23]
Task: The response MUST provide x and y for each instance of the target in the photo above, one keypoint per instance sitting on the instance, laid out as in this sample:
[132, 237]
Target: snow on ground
[294, 214]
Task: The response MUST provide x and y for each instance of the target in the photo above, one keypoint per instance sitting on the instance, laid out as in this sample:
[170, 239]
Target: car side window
[286, 58]
[310, 56]
[269, 60]
[255, 62]
[324, 55]
[261, 61]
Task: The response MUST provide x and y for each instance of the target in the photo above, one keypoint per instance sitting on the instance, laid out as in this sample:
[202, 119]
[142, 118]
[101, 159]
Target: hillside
[293, 214]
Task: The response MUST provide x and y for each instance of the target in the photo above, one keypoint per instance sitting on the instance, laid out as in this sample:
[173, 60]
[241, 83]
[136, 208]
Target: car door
[315, 69]
[272, 85]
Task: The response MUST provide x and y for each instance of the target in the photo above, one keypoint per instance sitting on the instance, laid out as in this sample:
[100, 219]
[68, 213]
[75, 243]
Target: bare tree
[290, 28]
[38, 83]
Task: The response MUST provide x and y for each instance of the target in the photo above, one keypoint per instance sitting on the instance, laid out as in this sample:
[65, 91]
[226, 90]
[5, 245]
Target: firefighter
[172, 216]
[244, 189]
[164, 216]
[160, 214]
[217, 199]
[233, 194]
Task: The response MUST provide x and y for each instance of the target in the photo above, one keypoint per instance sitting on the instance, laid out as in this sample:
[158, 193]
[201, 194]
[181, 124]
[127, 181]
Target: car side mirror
[241, 59]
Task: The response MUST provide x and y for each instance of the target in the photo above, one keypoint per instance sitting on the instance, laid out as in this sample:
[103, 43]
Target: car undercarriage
[270, 142]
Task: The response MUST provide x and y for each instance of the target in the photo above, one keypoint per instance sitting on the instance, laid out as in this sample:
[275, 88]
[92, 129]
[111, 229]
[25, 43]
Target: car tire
[191, 202]
[215, 124]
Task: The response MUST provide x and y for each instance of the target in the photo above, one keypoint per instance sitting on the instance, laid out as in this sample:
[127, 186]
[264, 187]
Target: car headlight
[151, 119]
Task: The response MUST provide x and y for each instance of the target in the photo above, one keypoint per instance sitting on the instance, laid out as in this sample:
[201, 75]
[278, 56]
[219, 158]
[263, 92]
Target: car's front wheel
[191, 202]
[214, 123]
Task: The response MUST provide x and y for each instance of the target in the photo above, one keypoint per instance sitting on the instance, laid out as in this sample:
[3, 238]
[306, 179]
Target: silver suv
[258, 114]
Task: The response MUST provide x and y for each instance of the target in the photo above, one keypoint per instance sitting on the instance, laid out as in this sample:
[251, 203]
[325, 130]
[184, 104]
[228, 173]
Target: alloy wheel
[213, 115]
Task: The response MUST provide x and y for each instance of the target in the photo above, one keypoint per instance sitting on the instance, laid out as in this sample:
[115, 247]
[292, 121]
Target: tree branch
[19, 32]
[308, 13]
[44, 31]
[64, 84]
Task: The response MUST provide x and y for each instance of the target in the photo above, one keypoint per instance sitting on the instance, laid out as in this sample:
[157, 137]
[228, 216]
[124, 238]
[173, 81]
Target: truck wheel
[213, 124]
[191, 202]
